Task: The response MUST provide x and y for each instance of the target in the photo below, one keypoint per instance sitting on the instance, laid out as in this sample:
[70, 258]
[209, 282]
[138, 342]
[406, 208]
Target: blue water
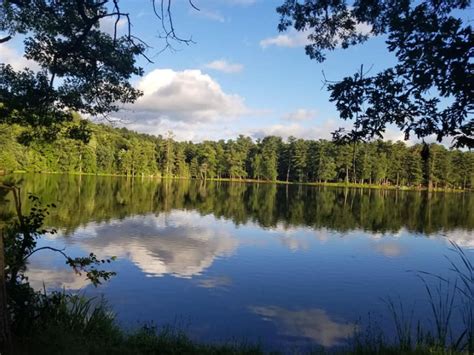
[281, 286]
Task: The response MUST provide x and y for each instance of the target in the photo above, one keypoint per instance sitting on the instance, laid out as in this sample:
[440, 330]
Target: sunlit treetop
[430, 90]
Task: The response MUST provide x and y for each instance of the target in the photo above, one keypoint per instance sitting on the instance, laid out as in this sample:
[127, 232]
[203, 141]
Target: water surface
[289, 266]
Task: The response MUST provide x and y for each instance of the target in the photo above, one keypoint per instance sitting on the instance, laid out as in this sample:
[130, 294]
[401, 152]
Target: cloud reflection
[179, 244]
[214, 282]
[40, 276]
[389, 249]
[314, 324]
[464, 238]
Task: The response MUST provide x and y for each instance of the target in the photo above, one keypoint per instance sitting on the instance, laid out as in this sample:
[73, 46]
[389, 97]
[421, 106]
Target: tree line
[109, 150]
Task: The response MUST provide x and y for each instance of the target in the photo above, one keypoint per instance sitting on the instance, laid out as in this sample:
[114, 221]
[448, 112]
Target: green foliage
[73, 324]
[422, 94]
[82, 68]
[60, 323]
[21, 237]
[122, 152]
[19, 242]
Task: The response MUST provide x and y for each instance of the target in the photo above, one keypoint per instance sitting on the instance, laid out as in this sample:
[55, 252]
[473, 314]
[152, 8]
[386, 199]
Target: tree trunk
[80, 163]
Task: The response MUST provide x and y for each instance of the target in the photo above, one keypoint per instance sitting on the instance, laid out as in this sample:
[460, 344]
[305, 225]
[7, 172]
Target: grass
[445, 296]
[73, 324]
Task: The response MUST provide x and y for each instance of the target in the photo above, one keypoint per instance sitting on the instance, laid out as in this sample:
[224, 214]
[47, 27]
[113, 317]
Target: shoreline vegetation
[121, 152]
[350, 185]
[72, 324]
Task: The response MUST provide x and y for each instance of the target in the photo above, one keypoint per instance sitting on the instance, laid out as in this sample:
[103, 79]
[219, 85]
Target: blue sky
[240, 77]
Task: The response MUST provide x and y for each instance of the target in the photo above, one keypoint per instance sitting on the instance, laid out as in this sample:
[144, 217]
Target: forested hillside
[120, 151]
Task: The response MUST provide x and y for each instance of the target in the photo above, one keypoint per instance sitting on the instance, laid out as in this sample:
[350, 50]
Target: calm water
[289, 266]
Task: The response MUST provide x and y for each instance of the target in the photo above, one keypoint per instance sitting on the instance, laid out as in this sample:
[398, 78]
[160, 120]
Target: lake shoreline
[277, 182]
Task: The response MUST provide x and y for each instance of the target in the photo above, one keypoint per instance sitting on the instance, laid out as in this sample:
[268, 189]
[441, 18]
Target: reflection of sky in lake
[218, 281]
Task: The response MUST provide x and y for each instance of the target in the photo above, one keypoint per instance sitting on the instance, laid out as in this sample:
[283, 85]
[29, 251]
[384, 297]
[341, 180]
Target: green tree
[65, 39]
[167, 155]
[414, 166]
[299, 159]
[270, 147]
[327, 170]
[344, 160]
[287, 157]
[257, 166]
[364, 163]
[236, 157]
[396, 157]
[181, 167]
[208, 159]
[400, 95]
[221, 163]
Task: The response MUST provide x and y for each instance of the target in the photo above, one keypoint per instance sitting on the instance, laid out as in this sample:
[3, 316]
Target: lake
[289, 266]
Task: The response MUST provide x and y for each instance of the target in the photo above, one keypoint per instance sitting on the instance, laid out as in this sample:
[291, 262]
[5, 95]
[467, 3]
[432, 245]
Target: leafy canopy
[429, 91]
[82, 68]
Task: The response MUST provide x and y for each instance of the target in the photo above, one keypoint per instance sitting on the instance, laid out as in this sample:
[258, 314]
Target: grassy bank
[322, 184]
[73, 325]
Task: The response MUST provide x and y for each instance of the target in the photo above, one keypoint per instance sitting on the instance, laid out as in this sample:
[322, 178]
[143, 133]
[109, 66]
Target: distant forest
[120, 151]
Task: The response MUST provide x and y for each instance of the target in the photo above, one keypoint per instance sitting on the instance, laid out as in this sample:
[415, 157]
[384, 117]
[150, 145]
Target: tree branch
[60, 251]
[5, 39]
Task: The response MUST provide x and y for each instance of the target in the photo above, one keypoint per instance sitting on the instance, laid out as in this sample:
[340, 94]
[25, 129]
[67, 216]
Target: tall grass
[442, 299]
[446, 296]
[465, 288]
[74, 324]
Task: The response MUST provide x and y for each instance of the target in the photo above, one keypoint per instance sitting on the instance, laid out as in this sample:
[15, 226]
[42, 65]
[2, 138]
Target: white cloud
[109, 24]
[11, 56]
[184, 96]
[300, 115]
[295, 38]
[291, 39]
[187, 95]
[208, 14]
[364, 28]
[185, 131]
[225, 66]
[320, 130]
